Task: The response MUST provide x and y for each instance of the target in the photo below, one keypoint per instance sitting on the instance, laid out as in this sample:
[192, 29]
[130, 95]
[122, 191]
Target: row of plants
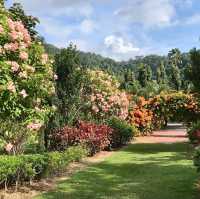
[24, 168]
[96, 137]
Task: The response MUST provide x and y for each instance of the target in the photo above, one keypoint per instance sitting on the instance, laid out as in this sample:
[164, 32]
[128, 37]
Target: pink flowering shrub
[106, 99]
[26, 76]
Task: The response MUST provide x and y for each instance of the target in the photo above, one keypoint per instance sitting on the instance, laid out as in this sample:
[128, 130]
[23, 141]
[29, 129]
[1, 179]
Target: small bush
[123, 132]
[96, 137]
[194, 133]
[20, 168]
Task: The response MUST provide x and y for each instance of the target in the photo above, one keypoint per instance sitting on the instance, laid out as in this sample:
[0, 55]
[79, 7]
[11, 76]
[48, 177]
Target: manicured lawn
[140, 171]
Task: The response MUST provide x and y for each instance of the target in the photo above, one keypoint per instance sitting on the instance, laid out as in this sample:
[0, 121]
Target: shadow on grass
[139, 171]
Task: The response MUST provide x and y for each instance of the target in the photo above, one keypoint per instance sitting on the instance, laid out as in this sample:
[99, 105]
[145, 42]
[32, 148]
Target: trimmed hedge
[21, 168]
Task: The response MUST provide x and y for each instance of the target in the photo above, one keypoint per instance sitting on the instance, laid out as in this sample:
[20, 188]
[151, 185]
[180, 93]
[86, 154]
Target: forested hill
[92, 60]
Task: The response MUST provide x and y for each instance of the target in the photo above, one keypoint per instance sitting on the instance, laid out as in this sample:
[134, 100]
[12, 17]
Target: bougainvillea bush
[96, 137]
[26, 78]
[105, 98]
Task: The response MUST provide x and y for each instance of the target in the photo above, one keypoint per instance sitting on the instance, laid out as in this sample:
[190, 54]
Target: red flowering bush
[96, 137]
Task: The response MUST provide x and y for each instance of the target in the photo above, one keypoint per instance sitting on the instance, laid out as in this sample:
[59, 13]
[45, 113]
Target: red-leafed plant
[96, 137]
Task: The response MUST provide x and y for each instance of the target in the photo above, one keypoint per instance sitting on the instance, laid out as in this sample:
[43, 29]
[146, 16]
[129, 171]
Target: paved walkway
[172, 134]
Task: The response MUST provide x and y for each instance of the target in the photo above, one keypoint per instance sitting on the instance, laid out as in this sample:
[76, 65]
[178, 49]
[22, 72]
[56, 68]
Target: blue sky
[120, 29]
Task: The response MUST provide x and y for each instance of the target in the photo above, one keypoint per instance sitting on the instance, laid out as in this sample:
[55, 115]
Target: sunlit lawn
[140, 171]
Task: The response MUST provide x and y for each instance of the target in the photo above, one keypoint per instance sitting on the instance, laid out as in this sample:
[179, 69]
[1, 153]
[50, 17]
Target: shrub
[96, 137]
[175, 106]
[141, 117]
[57, 161]
[122, 132]
[27, 79]
[105, 99]
[194, 133]
[197, 158]
[22, 168]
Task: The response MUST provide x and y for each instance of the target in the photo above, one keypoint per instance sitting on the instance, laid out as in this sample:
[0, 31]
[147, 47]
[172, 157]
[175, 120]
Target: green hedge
[123, 132]
[20, 168]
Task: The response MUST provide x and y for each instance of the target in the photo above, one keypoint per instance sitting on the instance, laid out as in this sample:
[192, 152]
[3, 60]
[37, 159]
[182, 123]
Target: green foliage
[151, 89]
[175, 62]
[70, 85]
[175, 77]
[161, 75]
[194, 69]
[123, 132]
[144, 75]
[197, 158]
[21, 168]
[57, 161]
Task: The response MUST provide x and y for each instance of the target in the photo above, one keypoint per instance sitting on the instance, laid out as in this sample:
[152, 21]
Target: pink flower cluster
[19, 39]
[116, 104]
[8, 147]
[14, 66]
[34, 126]
[11, 87]
[23, 56]
[13, 46]
[18, 32]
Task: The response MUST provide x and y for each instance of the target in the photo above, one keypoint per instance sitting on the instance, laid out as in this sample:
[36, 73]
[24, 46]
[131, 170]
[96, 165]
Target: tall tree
[175, 57]
[194, 69]
[175, 62]
[142, 75]
[70, 82]
[149, 73]
[175, 77]
[161, 75]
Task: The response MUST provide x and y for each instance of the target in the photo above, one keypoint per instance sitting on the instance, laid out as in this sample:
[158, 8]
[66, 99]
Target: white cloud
[148, 12]
[194, 19]
[87, 26]
[119, 45]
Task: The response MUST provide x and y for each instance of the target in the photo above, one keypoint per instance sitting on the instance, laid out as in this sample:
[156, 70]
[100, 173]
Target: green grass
[140, 171]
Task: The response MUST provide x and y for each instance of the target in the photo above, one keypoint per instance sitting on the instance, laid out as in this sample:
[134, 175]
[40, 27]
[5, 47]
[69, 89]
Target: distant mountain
[92, 60]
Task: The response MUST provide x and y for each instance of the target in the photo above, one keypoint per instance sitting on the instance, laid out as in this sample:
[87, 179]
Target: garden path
[172, 134]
